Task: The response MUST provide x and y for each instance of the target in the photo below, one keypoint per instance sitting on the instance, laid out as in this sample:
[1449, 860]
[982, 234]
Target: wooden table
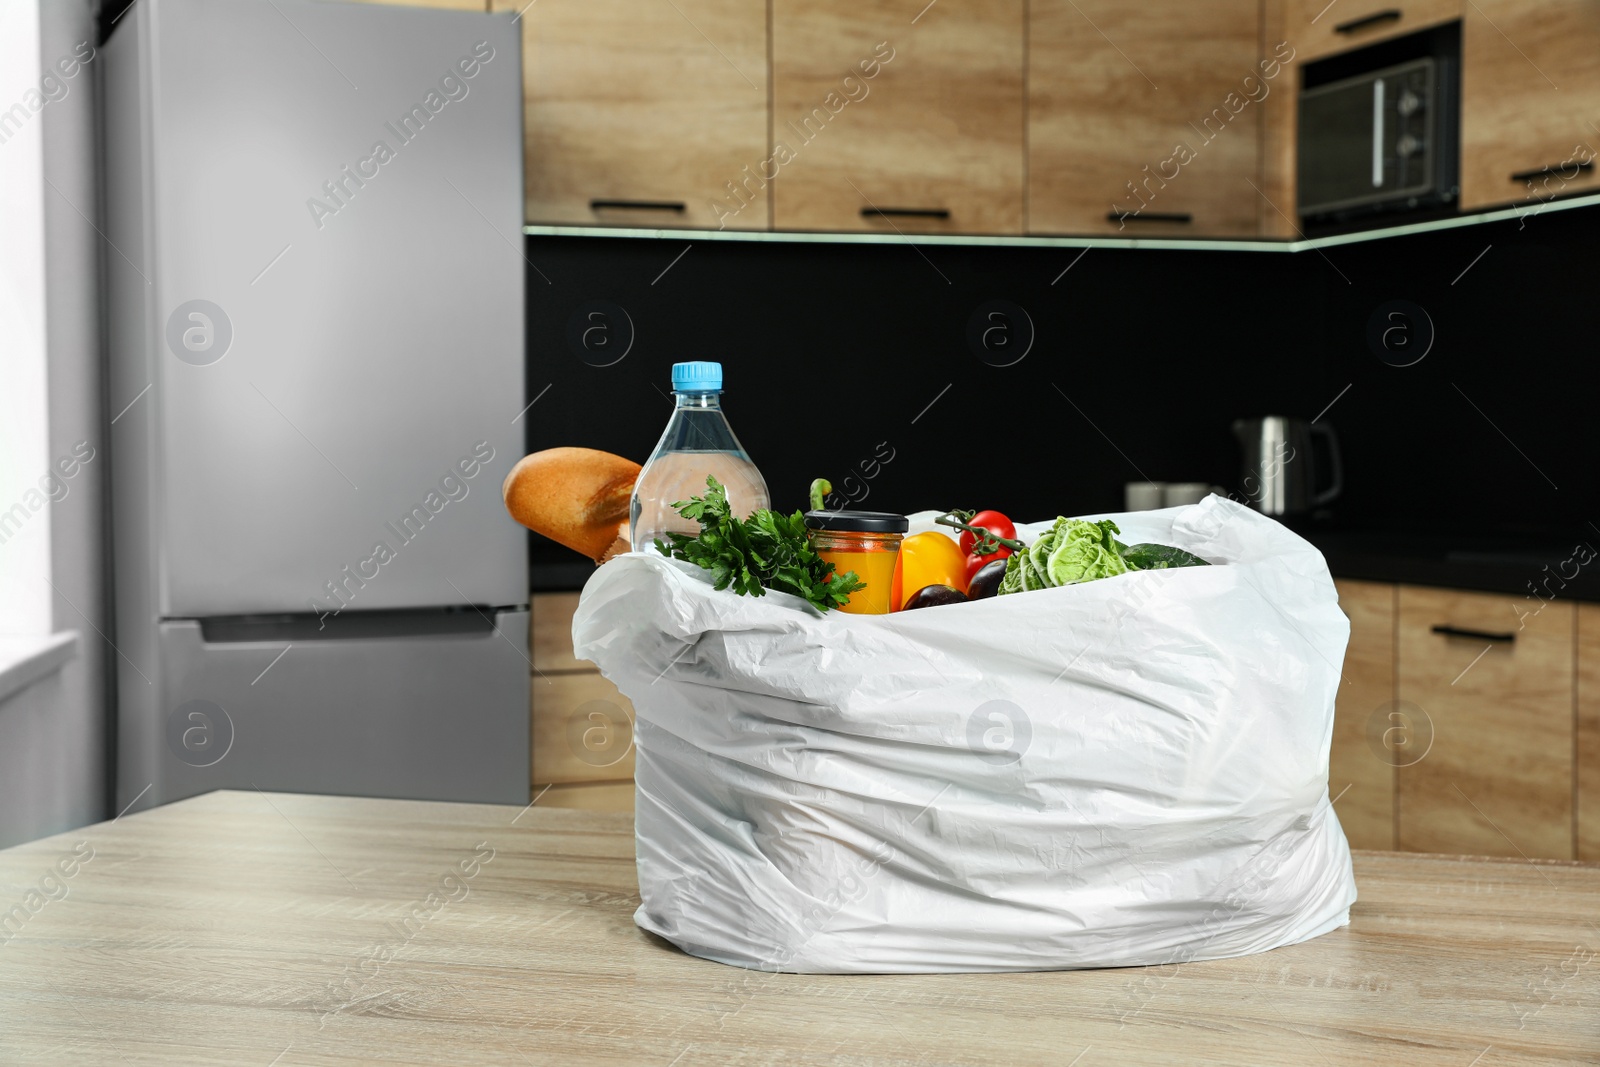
[275, 929]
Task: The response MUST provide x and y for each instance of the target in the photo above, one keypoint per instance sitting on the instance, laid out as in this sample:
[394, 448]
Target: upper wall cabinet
[897, 115]
[1530, 101]
[1141, 125]
[1319, 28]
[643, 113]
[1169, 118]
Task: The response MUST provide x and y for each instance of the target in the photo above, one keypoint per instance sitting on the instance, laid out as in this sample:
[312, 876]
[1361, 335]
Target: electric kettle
[1278, 474]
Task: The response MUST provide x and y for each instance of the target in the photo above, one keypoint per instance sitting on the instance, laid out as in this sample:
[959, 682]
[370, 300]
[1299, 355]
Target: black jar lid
[857, 521]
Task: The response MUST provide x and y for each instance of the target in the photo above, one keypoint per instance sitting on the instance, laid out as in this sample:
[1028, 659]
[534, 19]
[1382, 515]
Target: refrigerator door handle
[468, 621]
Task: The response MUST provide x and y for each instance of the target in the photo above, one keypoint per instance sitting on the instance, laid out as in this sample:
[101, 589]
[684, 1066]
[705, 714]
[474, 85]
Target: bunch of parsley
[765, 551]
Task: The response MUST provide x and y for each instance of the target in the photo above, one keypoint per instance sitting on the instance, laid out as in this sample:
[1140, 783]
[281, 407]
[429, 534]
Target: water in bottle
[698, 442]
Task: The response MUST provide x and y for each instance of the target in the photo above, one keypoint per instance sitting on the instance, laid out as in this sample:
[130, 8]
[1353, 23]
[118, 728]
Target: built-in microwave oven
[1379, 140]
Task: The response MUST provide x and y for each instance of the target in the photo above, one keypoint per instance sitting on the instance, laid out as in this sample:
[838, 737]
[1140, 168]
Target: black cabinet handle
[1150, 216]
[1540, 172]
[1476, 635]
[905, 212]
[1392, 15]
[636, 205]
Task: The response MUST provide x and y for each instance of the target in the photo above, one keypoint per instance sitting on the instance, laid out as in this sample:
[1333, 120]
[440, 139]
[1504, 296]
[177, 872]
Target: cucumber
[1159, 557]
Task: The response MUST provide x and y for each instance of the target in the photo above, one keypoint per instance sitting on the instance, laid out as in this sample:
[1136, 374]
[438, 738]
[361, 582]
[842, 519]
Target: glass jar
[866, 542]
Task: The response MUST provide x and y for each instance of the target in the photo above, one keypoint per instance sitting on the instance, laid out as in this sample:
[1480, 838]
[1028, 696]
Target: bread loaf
[577, 497]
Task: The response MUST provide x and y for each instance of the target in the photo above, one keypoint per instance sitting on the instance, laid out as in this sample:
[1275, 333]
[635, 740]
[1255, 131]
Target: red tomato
[975, 563]
[996, 524]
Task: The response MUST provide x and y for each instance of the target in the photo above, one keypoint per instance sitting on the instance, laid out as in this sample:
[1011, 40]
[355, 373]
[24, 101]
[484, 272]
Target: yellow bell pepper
[927, 559]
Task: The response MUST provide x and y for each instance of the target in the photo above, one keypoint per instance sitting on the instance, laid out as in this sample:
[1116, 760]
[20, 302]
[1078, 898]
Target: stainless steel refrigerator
[316, 387]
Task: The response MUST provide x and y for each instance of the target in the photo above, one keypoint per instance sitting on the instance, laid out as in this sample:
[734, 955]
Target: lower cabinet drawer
[1588, 704]
[582, 730]
[1487, 684]
[1368, 742]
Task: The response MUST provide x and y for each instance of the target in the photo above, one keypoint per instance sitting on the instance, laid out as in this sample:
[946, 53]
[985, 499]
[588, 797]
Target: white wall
[24, 454]
[53, 735]
[33, 787]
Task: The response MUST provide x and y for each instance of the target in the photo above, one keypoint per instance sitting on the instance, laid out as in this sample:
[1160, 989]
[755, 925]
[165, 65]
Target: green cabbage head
[1072, 551]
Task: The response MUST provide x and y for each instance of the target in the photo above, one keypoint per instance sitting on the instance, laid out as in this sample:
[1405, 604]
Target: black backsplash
[1140, 361]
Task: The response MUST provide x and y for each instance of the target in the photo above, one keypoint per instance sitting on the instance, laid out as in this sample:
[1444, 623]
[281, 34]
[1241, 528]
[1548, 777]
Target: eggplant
[932, 596]
[986, 582]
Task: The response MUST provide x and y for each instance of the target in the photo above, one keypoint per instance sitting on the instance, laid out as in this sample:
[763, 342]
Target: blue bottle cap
[697, 377]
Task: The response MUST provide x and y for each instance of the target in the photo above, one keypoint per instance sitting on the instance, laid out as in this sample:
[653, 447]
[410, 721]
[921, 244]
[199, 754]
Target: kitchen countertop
[282, 929]
[1539, 565]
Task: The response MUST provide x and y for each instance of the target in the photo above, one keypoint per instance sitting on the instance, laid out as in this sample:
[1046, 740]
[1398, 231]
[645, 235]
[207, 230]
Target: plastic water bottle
[697, 443]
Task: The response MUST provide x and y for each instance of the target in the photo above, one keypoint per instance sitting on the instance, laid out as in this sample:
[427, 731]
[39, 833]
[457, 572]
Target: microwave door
[1364, 141]
[1337, 142]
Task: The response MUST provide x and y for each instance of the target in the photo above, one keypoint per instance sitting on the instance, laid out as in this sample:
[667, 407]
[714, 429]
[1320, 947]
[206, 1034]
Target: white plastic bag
[1128, 771]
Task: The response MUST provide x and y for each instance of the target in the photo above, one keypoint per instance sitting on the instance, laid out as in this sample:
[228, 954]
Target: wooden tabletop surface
[274, 930]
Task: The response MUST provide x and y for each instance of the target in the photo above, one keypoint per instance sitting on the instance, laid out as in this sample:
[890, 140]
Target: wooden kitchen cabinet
[1530, 101]
[643, 114]
[1588, 731]
[897, 116]
[1498, 779]
[582, 730]
[1280, 129]
[1480, 760]
[1320, 28]
[1361, 768]
[551, 633]
[582, 727]
[1141, 125]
